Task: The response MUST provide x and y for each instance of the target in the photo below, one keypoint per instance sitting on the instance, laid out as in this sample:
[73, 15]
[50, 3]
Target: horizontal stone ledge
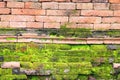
[57, 40]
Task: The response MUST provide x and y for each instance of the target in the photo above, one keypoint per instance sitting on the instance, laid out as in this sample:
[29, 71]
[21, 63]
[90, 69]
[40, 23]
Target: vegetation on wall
[62, 62]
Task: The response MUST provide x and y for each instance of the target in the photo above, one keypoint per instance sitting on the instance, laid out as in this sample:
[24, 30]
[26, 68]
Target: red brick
[97, 12]
[4, 24]
[69, 25]
[2, 4]
[51, 25]
[4, 11]
[117, 13]
[81, 0]
[85, 6]
[74, 25]
[89, 26]
[34, 25]
[111, 41]
[101, 6]
[51, 19]
[17, 18]
[56, 12]
[85, 20]
[114, 1]
[33, 5]
[115, 26]
[115, 6]
[102, 26]
[111, 20]
[67, 6]
[63, 12]
[45, 0]
[50, 5]
[100, 1]
[61, 0]
[28, 11]
[15, 4]
[18, 24]
[94, 41]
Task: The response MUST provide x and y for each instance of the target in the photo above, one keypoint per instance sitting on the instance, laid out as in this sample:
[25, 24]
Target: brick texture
[97, 12]
[28, 11]
[94, 14]
[15, 4]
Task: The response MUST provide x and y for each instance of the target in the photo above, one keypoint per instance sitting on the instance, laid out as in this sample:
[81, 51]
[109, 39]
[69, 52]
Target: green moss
[11, 39]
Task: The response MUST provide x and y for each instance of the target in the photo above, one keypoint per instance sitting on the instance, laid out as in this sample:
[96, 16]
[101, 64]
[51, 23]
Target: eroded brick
[102, 26]
[97, 12]
[115, 6]
[15, 4]
[51, 19]
[17, 18]
[28, 11]
[99, 1]
[2, 4]
[114, 1]
[18, 24]
[4, 11]
[111, 20]
[51, 25]
[84, 5]
[50, 5]
[101, 6]
[85, 19]
[34, 25]
[67, 6]
[33, 5]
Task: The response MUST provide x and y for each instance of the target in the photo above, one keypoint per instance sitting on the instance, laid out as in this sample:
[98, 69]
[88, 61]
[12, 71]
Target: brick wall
[94, 14]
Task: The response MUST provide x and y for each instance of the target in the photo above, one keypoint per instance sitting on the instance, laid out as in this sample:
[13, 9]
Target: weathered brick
[4, 24]
[63, 12]
[102, 6]
[115, 26]
[102, 26]
[55, 12]
[28, 11]
[85, 19]
[50, 5]
[10, 65]
[117, 13]
[114, 1]
[115, 6]
[30, 0]
[69, 25]
[15, 4]
[45, 0]
[2, 4]
[51, 19]
[67, 6]
[111, 20]
[81, 0]
[34, 25]
[99, 1]
[33, 5]
[84, 5]
[61, 0]
[51, 25]
[97, 12]
[111, 41]
[12, 0]
[94, 41]
[4, 11]
[18, 24]
[17, 18]
[88, 26]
